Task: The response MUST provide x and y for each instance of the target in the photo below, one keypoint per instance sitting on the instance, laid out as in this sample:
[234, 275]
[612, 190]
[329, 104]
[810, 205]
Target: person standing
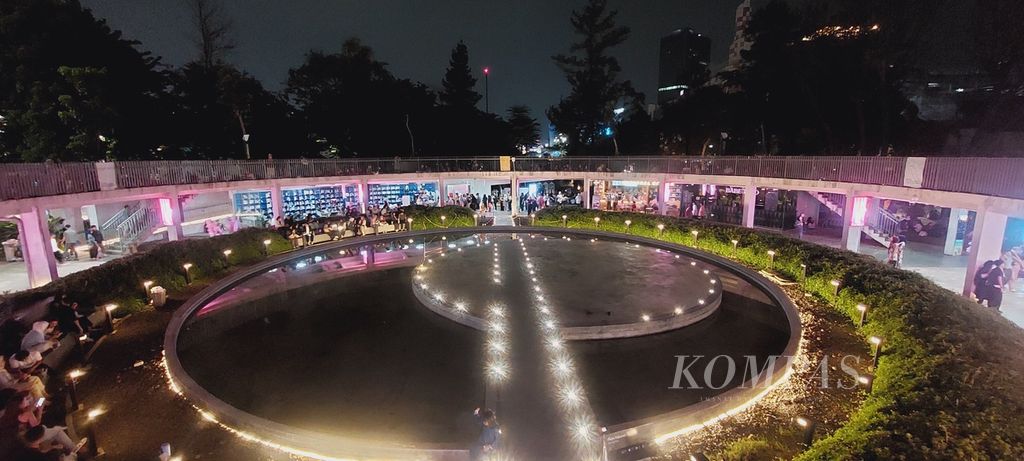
[895, 251]
[801, 221]
[994, 282]
[488, 443]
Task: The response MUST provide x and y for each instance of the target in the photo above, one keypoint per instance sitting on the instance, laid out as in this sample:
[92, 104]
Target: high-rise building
[683, 65]
[739, 41]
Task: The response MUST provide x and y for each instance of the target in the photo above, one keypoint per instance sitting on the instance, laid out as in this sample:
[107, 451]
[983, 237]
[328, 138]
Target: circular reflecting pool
[397, 342]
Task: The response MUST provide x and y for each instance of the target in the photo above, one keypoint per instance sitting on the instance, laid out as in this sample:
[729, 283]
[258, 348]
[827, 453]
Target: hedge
[430, 217]
[120, 281]
[948, 383]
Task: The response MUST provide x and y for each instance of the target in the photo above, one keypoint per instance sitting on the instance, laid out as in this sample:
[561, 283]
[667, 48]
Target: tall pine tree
[586, 115]
[524, 129]
[459, 81]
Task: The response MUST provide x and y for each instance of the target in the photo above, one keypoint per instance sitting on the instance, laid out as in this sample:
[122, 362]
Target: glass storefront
[535, 195]
[403, 194]
[632, 196]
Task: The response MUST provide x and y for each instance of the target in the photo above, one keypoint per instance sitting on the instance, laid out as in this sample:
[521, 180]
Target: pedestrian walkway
[527, 409]
[503, 218]
[946, 271]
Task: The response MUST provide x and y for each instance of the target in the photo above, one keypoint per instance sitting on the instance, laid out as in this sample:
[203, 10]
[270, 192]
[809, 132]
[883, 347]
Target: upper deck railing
[1000, 177]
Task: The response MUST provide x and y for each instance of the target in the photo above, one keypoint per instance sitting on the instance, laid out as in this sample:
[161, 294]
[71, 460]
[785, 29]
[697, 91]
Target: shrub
[120, 281]
[947, 386]
[751, 449]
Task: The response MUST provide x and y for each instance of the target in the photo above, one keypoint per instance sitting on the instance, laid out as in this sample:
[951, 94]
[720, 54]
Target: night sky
[415, 37]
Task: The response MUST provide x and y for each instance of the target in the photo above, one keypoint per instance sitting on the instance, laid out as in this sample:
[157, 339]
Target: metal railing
[985, 176]
[884, 223]
[133, 226]
[26, 180]
[132, 174]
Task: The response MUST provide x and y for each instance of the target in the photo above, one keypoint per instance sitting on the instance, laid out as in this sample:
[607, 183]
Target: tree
[586, 115]
[524, 129]
[73, 89]
[458, 81]
[212, 31]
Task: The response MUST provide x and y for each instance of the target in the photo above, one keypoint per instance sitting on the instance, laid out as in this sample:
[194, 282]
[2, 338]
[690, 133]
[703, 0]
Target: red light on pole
[487, 70]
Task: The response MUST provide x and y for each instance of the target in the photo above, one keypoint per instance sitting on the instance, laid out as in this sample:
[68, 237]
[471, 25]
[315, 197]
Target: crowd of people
[998, 276]
[483, 203]
[304, 232]
[25, 401]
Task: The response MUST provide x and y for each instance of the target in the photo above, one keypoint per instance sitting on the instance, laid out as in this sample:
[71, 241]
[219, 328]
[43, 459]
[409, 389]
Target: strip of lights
[575, 408]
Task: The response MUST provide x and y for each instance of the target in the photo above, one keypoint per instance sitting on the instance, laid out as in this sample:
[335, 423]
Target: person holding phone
[20, 381]
[23, 412]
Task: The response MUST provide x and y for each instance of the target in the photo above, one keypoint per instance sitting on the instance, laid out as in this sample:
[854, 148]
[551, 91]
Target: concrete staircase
[880, 224]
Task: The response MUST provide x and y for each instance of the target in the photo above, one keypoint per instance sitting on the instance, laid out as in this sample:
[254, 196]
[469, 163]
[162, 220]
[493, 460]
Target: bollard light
[661, 229]
[107, 311]
[863, 313]
[90, 429]
[443, 218]
[188, 277]
[698, 457]
[694, 233]
[771, 259]
[565, 222]
[835, 286]
[803, 270]
[266, 247]
[734, 243]
[808, 427]
[146, 285]
[597, 221]
[628, 222]
[867, 381]
[877, 341]
[73, 376]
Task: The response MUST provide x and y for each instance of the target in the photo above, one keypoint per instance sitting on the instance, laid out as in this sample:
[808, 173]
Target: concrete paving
[928, 260]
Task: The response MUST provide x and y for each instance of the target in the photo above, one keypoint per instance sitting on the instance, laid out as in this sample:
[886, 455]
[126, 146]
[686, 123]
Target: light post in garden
[533, 218]
[266, 247]
[108, 312]
[90, 430]
[146, 285]
[808, 427]
[476, 219]
[597, 221]
[771, 259]
[408, 221]
[698, 457]
[694, 233]
[863, 313]
[565, 221]
[443, 218]
[877, 341]
[661, 229]
[628, 222]
[835, 287]
[867, 381]
[734, 243]
[188, 277]
[73, 376]
[803, 271]
[227, 256]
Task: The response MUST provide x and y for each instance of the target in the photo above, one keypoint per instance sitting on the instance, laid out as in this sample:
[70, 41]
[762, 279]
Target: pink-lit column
[855, 213]
[364, 195]
[749, 203]
[515, 195]
[663, 198]
[171, 215]
[34, 235]
[986, 245]
[588, 193]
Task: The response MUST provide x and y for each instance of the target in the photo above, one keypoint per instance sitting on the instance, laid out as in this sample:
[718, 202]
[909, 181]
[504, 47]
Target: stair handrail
[884, 222]
[133, 225]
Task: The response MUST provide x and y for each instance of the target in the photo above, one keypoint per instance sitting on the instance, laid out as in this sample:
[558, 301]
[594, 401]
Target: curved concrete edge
[445, 310]
[325, 446]
[690, 316]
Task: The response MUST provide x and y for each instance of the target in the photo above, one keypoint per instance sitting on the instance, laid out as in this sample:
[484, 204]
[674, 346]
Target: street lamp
[487, 90]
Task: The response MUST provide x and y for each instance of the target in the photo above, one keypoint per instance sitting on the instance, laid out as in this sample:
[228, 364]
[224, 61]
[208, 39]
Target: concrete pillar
[588, 193]
[174, 230]
[515, 195]
[851, 233]
[34, 235]
[749, 203]
[987, 244]
[276, 202]
[951, 248]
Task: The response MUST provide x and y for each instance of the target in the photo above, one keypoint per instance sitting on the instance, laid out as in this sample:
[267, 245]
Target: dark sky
[415, 37]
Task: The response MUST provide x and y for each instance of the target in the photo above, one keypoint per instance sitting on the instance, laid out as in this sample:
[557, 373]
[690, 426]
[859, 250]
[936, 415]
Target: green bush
[430, 217]
[751, 449]
[947, 386]
[120, 281]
